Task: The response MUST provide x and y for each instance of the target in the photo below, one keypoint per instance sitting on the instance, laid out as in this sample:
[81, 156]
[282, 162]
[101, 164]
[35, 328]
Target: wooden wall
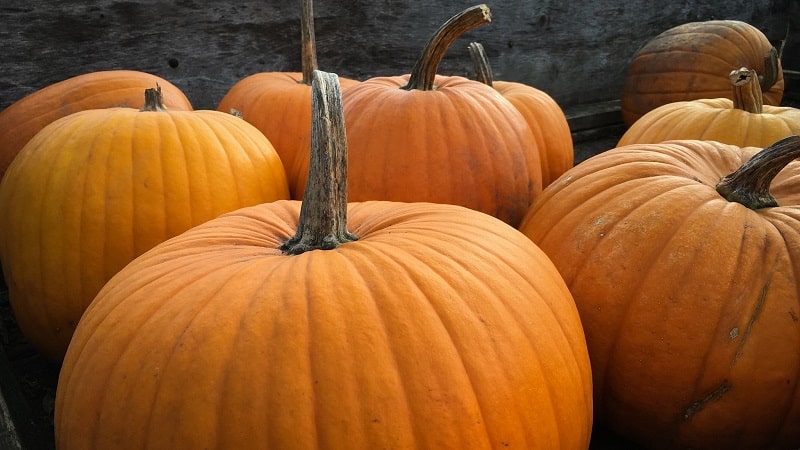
[576, 51]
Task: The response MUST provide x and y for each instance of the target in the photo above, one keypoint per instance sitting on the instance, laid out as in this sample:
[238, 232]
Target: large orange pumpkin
[331, 325]
[687, 288]
[97, 188]
[277, 103]
[104, 89]
[543, 115]
[692, 61]
[442, 139]
[744, 121]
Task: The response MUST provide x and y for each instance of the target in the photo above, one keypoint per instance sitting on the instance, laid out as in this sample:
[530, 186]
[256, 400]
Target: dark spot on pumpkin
[712, 396]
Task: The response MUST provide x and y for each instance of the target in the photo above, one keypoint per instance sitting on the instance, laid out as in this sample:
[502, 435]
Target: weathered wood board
[576, 51]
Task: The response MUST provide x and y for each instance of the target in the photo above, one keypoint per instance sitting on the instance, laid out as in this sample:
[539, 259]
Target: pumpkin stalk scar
[712, 396]
[749, 184]
[153, 100]
[751, 322]
[425, 68]
[323, 214]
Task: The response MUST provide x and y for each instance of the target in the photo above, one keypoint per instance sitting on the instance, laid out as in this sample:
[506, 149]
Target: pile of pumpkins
[413, 261]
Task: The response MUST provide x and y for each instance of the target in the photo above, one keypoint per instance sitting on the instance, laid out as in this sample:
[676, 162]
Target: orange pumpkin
[378, 325]
[441, 139]
[692, 61]
[744, 121]
[97, 188]
[277, 103]
[687, 288]
[543, 115]
[104, 89]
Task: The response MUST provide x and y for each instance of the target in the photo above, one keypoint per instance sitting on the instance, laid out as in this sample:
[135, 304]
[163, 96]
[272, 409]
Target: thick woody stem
[308, 41]
[746, 91]
[483, 70]
[424, 71]
[323, 214]
[749, 184]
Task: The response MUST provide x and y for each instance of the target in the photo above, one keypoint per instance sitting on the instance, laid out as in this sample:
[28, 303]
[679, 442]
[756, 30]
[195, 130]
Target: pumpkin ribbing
[93, 190]
[399, 339]
[688, 298]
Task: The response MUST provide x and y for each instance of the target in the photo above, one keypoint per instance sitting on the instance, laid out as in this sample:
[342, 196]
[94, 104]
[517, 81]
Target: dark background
[575, 51]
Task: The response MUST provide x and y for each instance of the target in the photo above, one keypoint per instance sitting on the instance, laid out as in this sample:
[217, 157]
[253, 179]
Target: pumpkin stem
[153, 100]
[424, 71]
[308, 42]
[771, 70]
[746, 92]
[323, 214]
[749, 184]
[483, 70]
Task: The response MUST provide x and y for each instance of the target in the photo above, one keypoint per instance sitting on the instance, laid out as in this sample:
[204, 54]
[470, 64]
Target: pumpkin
[95, 189]
[20, 121]
[327, 324]
[441, 139]
[744, 121]
[542, 113]
[277, 103]
[692, 61]
[683, 259]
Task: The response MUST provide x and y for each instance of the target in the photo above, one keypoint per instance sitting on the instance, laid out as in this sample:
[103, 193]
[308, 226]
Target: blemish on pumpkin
[713, 396]
[734, 332]
[793, 315]
[756, 312]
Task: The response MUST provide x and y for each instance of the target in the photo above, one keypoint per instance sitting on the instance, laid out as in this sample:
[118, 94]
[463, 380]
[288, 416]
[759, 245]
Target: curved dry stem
[424, 71]
[749, 184]
[483, 70]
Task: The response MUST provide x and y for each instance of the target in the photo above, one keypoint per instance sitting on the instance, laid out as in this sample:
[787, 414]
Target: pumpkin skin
[93, 190]
[21, 120]
[544, 116]
[461, 144]
[689, 301]
[692, 61]
[277, 103]
[745, 123]
[440, 327]
[548, 124]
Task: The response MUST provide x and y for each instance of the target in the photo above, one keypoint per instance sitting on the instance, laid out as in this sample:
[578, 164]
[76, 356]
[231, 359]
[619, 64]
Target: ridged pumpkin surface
[461, 144]
[438, 328]
[104, 89]
[692, 61]
[95, 189]
[690, 302]
[715, 120]
[548, 124]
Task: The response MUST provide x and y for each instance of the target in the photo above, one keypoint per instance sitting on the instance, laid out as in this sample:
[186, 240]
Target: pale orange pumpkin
[20, 121]
[331, 325]
[93, 190]
[743, 120]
